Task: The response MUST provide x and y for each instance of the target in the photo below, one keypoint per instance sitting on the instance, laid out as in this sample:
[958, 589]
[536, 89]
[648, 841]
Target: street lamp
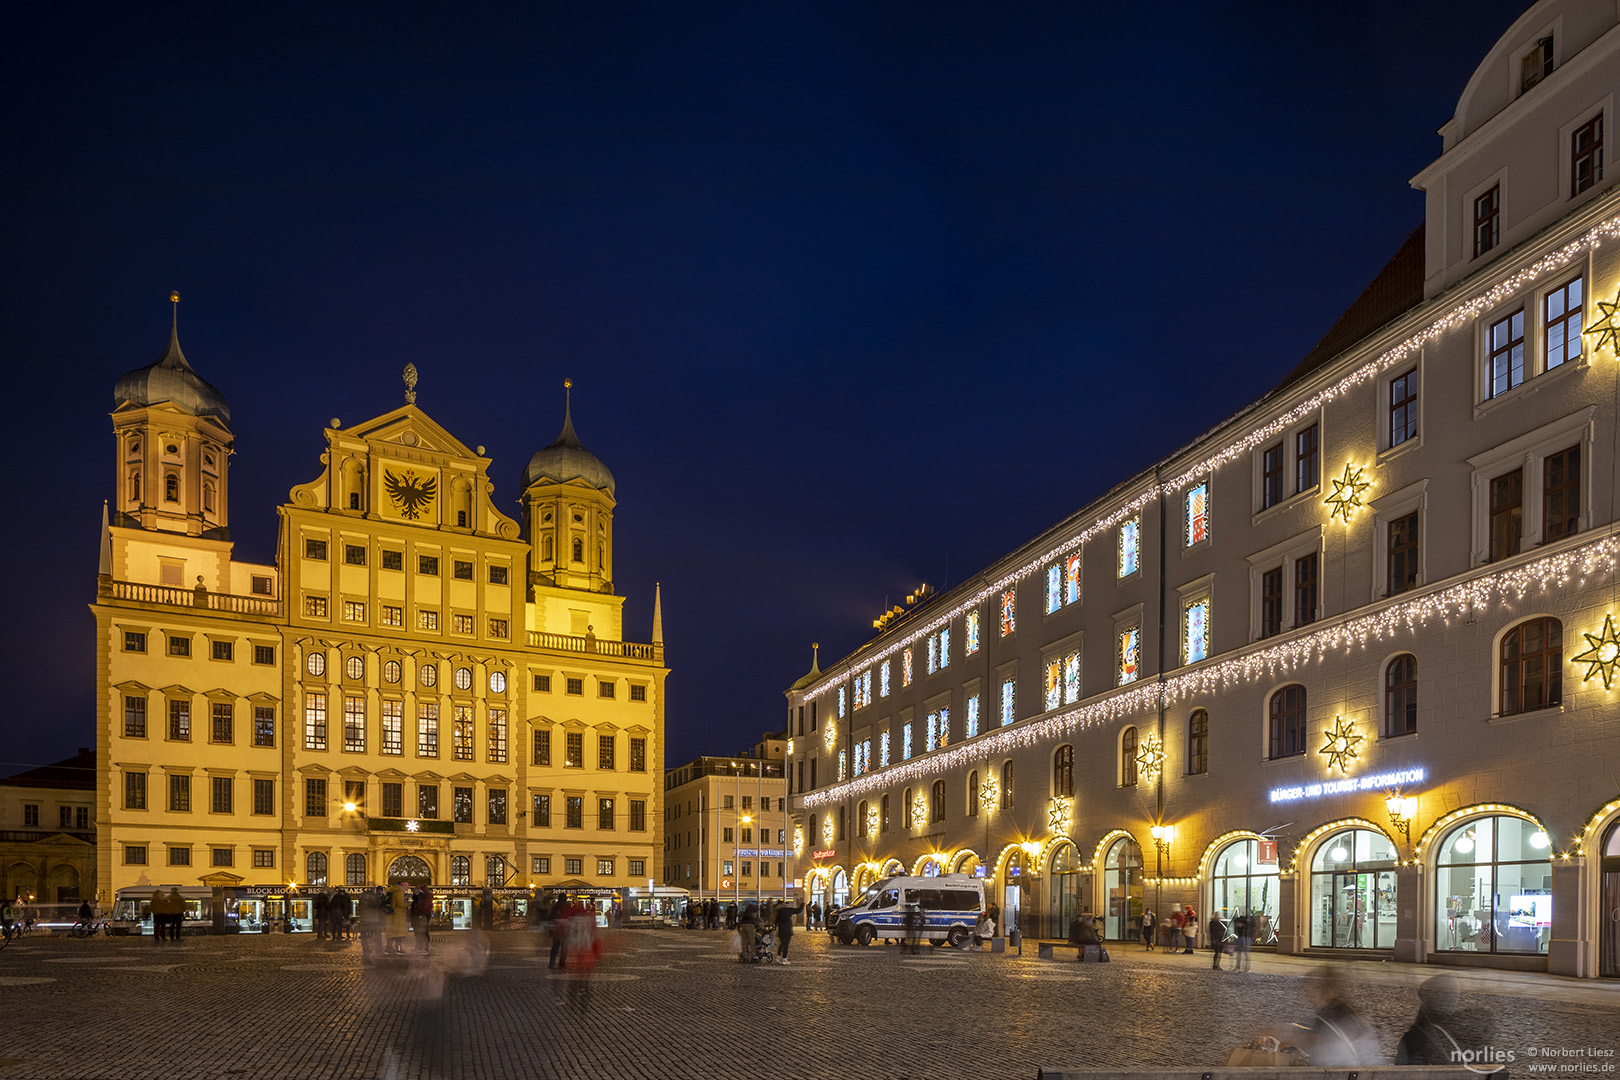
[1163, 837]
[1402, 809]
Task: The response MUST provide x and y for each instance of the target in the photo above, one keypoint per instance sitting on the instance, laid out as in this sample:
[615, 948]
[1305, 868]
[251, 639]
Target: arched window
[1532, 666]
[1493, 887]
[1242, 885]
[171, 488]
[841, 825]
[354, 869]
[460, 870]
[1353, 891]
[315, 869]
[1198, 743]
[1063, 772]
[905, 809]
[1127, 758]
[1122, 886]
[862, 822]
[208, 497]
[936, 802]
[1288, 722]
[579, 550]
[972, 794]
[1400, 696]
[135, 487]
[545, 548]
[1007, 785]
[494, 871]
[883, 813]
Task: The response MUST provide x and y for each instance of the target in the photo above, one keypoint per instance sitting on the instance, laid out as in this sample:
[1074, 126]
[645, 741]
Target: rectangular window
[224, 794]
[1195, 630]
[427, 801]
[461, 732]
[264, 858]
[222, 650]
[1403, 553]
[1487, 220]
[315, 721]
[179, 794]
[222, 726]
[497, 736]
[393, 727]
[497, 575]
[1130, 547]
[264, 725]
[574, 750]
[1054, 682]
[1129, 659]
[606, 689]
[354, 611]
[638, 867]
[134, 641]
[354, 554]
[135, 854]
[224, 856]
[575, 687]
[180, 720]
[1507, 514]
[542, 684]
[905, 668]
[314, 549]
[1009, 615]
[1403, 413]
[354, 724]
[264, 796]
[1271, 602]
[604, 867]
[1054, 588]
[134, 718]
[1305, 589]
[427, 564]
[573, 867]
[497, 806]
[573, 812]
[541, 811]
[179, 646]
[542, 746]
[461, 624]
[1071, 580]
[1197, 514]
[260, 585]
[970, 646]
[604, 751]
[1071, 678]
[393, 799]
[638, 815]
[1198, 743]
[1562, 314]
[499, 628]
[264, 654]
[604, 814]
[1561, 494]
[638, 754]
[427, 730]
[1505, 368]
[392, 615]
[393, 560]
[1586, 156]
[179, 856]
[315, 607]
[1271, 473]
[315, 797]
[1307, 458]
[461, 571]
[461, 805]
[1008, 701]
[638, 692]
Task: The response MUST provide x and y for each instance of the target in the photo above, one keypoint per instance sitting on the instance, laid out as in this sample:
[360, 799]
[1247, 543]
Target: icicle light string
[1479, 594]
[1463, 314]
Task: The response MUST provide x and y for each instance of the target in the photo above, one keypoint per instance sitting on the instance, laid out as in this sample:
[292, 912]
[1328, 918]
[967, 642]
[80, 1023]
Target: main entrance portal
[409, 870]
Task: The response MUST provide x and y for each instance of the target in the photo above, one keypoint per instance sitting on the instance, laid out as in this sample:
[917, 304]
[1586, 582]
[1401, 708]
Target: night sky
[853, 296]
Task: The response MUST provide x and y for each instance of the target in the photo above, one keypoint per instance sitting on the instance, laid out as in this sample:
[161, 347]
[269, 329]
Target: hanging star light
[1150, 759]
[1607, 329]
[987, 795]
[919, 809]
[413, 826]
[871, 821]
[1603, 656]
[1346, 495]
[798, 840]
[1339, 744]
[1057, 815]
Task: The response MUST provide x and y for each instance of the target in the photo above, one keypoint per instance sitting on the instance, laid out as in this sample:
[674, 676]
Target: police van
[951, 906]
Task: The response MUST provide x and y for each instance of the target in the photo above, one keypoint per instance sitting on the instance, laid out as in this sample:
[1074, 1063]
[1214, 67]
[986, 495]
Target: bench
[1045, 949]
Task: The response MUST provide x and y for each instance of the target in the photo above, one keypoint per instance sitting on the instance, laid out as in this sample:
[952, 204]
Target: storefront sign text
[1375, 782]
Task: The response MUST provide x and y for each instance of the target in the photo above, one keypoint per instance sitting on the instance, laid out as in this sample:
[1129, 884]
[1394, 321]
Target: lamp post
[1163, 837]
[1402, 809]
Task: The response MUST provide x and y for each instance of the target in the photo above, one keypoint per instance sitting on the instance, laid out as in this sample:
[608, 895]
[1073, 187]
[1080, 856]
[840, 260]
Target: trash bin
[1015, 938]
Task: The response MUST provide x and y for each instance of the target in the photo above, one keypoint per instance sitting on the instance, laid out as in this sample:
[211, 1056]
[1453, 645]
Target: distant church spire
[658, 613]
[104, 568]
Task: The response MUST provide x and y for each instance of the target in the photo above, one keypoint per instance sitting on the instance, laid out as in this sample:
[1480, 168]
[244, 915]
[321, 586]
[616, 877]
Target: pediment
[412, 431]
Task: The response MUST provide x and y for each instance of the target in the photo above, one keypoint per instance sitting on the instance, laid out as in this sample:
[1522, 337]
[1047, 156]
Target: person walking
[1243, 930]
[1446, 1031]
[747, 933]
[159, 907]
[421, 914]
[323, 915]
[1337, 1036]
[177, 913]
[1217, 938]
[1189, 929]
[559, 934]
[1150, 926]
[731, 915]
[396, 909]
[341, 911]
[784, 929]
[371, 924]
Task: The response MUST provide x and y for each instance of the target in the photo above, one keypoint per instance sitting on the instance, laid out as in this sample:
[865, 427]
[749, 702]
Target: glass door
[1609, 906]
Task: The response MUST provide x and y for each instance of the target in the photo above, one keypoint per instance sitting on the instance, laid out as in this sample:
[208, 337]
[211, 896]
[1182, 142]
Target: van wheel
[865, 935]
[954, 937]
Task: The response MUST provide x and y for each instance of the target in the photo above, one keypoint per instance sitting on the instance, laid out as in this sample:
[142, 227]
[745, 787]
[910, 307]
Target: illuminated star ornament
[1607, 329]
[919, 809]
[1058, 815]
[987, 795]
[1346, 495]
[1603, 656]
[1339, 744]
[871, 821]
[1150, 759]
[413, 826]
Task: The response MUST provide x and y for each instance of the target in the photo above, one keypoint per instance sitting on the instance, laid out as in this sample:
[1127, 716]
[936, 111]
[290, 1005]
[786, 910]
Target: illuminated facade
[726, 826]
[48, 834]
[1346, 661]
[419, 687]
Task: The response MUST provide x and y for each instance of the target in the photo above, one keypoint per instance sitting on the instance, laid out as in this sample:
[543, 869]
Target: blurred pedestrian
[370, 918]
[421, 915]
[747, 931]
[731, 915]
[158, 906]
[1150, 926]
[341, 910]
[559, 933]
[1243, 930]
[1447, 1031]
[396, 907]
[1189, 929]
[1217, 938]
[177, 913]
[1336, 1036]
[323, 915]
[1178, 923]
[784, 929]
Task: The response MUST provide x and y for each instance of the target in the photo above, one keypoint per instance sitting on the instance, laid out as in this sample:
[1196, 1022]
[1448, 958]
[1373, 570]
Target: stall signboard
[826, 853]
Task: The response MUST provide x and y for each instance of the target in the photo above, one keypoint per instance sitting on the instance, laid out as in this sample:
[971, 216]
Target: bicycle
[82, 929]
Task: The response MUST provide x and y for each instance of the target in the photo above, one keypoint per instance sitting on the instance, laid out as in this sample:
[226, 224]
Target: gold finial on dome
[568, 384]
[410, 384]
[174, 297]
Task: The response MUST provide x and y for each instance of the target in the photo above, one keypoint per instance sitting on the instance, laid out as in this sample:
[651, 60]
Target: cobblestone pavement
[672, 1003]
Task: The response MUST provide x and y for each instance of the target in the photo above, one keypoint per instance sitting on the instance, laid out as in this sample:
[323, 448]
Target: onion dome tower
[568, 500]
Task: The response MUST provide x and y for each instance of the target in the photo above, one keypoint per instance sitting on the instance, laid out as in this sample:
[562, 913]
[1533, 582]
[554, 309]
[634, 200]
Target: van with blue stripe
[951, 907]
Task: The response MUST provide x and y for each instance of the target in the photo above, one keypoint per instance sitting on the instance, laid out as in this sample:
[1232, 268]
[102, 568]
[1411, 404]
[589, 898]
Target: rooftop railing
[630, 650]
[177, 596]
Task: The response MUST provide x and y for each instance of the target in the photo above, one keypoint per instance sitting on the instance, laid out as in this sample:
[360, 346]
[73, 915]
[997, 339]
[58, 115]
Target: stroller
[765, 945]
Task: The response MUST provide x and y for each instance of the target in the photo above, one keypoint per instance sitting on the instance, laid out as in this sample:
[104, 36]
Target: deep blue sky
[853, 295]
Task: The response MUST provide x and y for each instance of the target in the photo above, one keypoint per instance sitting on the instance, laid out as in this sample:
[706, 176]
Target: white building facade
[1347, 662]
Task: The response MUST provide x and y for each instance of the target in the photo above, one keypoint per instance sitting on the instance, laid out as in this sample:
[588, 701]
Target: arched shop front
[1493, 887]
[1353, 890]
[1246, 880]
[1608, 964]
[1068, 885]
[1122, 889]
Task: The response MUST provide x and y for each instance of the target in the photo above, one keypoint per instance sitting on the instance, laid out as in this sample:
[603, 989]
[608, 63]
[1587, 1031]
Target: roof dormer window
[1536, 64]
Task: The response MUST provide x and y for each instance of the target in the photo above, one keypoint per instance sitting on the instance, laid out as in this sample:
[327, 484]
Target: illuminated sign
[766, 853]
[1375, 782]
[829, 853]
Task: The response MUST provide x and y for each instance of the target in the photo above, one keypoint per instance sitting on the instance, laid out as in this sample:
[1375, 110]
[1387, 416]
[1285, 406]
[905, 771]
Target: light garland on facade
[1058, 814]
[1603, 655]
[1573, 565]
[1340, 744]
[1222, 841]
[919, 811]
[1346, 497]
[1592, 824]
[1333, 826]
[1108, 838]
[1443, 825]
[1606, 329]
[1462, 314]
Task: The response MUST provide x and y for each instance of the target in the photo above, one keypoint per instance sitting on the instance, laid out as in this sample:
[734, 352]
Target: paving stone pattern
[672, 1003]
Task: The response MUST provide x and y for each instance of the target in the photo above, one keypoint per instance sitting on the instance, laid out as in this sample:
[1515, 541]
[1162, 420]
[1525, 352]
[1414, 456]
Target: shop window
[1400, 696]
[1531, 669]
[1493, 887]
[1240, 884]
[1353, 891]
